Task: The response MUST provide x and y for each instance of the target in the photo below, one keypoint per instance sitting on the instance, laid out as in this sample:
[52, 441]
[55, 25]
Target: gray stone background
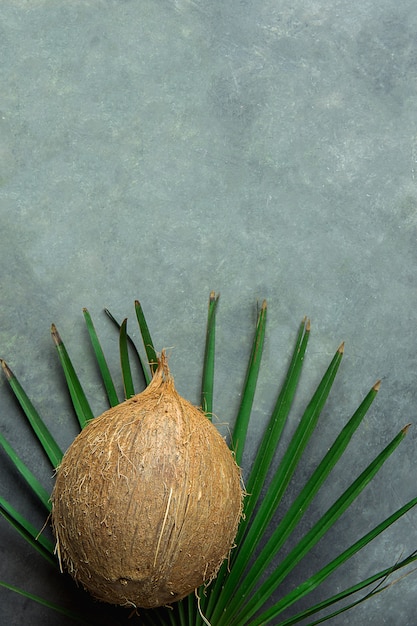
[260, 148]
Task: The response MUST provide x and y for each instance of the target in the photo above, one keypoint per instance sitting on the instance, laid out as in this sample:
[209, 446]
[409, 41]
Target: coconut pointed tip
[163, 367]
[341, 348]
[163, 357]
[377, 386]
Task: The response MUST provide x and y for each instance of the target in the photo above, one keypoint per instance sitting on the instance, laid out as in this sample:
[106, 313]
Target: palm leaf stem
[182, 616]
[192, 610]
[173, 616]
[157, 617]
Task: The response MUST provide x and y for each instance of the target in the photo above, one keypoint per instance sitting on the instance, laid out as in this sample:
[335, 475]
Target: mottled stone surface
[165, 148]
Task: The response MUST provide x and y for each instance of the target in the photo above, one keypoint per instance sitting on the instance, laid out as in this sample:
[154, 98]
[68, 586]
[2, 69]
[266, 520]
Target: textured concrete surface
[262, 149]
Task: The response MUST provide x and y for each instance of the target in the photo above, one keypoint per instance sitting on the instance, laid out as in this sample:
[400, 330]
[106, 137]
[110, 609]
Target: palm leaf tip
[148, 344]
[125, 362]
[55, 335]
[78, 397]
[6, 369]
[214, 296]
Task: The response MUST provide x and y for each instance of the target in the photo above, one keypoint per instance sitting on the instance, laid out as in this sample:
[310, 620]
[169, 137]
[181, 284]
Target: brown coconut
[147, 499]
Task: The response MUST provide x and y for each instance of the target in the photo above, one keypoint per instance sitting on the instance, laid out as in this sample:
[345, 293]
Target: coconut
[147, 499]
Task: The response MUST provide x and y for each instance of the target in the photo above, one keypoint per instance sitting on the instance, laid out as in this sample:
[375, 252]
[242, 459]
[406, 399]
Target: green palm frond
[242, 420]
[147, 339]
[125, 362]
[51, 448]
[28, 531]
[76, 617]
[208, 362]
[147, 367]
[78, 397]
[243, 587]
[101, 360]
[29, 477]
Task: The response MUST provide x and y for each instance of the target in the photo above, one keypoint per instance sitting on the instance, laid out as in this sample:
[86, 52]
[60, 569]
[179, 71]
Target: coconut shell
[147, 499]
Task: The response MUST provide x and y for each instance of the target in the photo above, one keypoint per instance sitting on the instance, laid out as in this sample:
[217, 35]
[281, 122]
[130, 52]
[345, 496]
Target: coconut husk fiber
[147, 499]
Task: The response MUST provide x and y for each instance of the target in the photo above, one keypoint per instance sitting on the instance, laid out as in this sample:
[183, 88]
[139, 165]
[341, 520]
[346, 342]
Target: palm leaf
[31, 480]
[310, 540]
[77, 617]
[142, 365]
[238, 596]
[381, 576]
[125, 362]
[314, 581]
[78, 397]
[146, 338]
[101, 360]
[28, 531]
[51, 448]
[301, 503]
[271, 438]
[242, 420]
[208, 361]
